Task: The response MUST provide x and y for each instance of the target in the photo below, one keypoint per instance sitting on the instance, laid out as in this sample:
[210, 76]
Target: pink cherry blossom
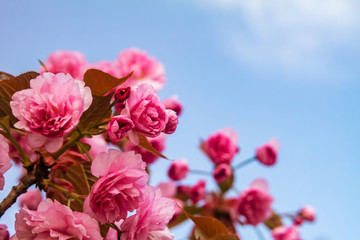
[48, 114]
[119, 127]
[197, 192]
[267, 153]
[5, 163]
[173, 104]
[221, 146]
[286, 233]
[31, 199]
[152, 215]
[254, 203]
[71, 62]
[146, 111]
[121, 185]
[178, 170]
[4, 234]
[168, 189]
[172, 122]
[158, 143]
[222, 172]
[53, 220]
[145, 69]
[307, 213]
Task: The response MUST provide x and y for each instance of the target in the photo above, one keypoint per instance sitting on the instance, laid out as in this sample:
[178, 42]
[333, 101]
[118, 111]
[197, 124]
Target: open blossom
[47, 113]
[267, 153]
[4, 234]
[158, 143]
[121, 185]
[5, 163]
[145, 69]
[119, 127]
[72, 62]
[173, 104]
[307, 213]
[222, 172]
[221, 146]
[286, 233]
[31, 199]
[146, 111]
[152, 215]
[178, 170]
[254, 203]
[53, 220]
[197, 192]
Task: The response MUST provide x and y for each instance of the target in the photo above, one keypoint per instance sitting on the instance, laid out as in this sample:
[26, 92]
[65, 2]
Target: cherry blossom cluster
[86, 134]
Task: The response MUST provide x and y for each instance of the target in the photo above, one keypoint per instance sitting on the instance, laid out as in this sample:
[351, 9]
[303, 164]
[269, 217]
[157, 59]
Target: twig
[32, 177]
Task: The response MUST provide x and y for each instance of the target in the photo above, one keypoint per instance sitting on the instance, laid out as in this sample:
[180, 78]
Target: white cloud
[295, 34]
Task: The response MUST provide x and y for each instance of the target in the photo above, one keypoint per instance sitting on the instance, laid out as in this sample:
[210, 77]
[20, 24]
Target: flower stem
[244, 163]
[200, 172]
[63, 190]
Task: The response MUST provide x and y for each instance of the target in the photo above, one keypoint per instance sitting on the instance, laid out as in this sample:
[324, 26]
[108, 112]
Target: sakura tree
[85, 135]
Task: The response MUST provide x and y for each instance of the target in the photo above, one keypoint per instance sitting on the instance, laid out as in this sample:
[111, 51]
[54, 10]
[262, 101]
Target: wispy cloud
[292, 34]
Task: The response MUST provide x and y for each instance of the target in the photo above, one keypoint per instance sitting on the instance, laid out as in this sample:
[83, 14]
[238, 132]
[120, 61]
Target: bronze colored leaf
[5, 110]
[11, 85]
[144, 143]
[101, 82]
[99, 108]
[77, 176]
[182, 217]
[209, 227]
[273, 221]
[4, 75]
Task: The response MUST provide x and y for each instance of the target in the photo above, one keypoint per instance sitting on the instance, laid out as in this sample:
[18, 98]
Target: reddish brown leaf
[101, 82]
[13, 84]
[144, 143]
[273, 221]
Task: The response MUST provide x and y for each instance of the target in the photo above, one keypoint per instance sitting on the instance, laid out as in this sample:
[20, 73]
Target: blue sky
[285, 69]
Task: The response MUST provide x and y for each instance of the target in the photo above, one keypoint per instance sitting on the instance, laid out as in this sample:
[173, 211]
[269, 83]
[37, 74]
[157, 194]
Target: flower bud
[119, 127]
[222, 172]
[307, 213]
[172, 122]
[122, 94]
[197, 192]
[267, 153]
[178, 170]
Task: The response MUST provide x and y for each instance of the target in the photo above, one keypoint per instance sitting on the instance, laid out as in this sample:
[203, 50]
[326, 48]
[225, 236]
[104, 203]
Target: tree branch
[33, 176]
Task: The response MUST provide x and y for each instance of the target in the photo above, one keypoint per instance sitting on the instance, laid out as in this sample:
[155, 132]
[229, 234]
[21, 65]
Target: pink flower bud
[285, 233]
[172, 122]
[172, 104]
[197, 192]
[267, 153]
[178, 170]
[298, 220]
[4, 234]
[5, 163]
[307, 213]
[222, 172]
[122, 94]
[31, 199]
[119, 127]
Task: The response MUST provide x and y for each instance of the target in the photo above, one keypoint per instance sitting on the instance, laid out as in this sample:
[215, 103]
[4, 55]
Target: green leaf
[11, 85]
[226, 184]
[101, 82]
[144, 143]
[98, 111]
[273, 221]
[209, 228]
